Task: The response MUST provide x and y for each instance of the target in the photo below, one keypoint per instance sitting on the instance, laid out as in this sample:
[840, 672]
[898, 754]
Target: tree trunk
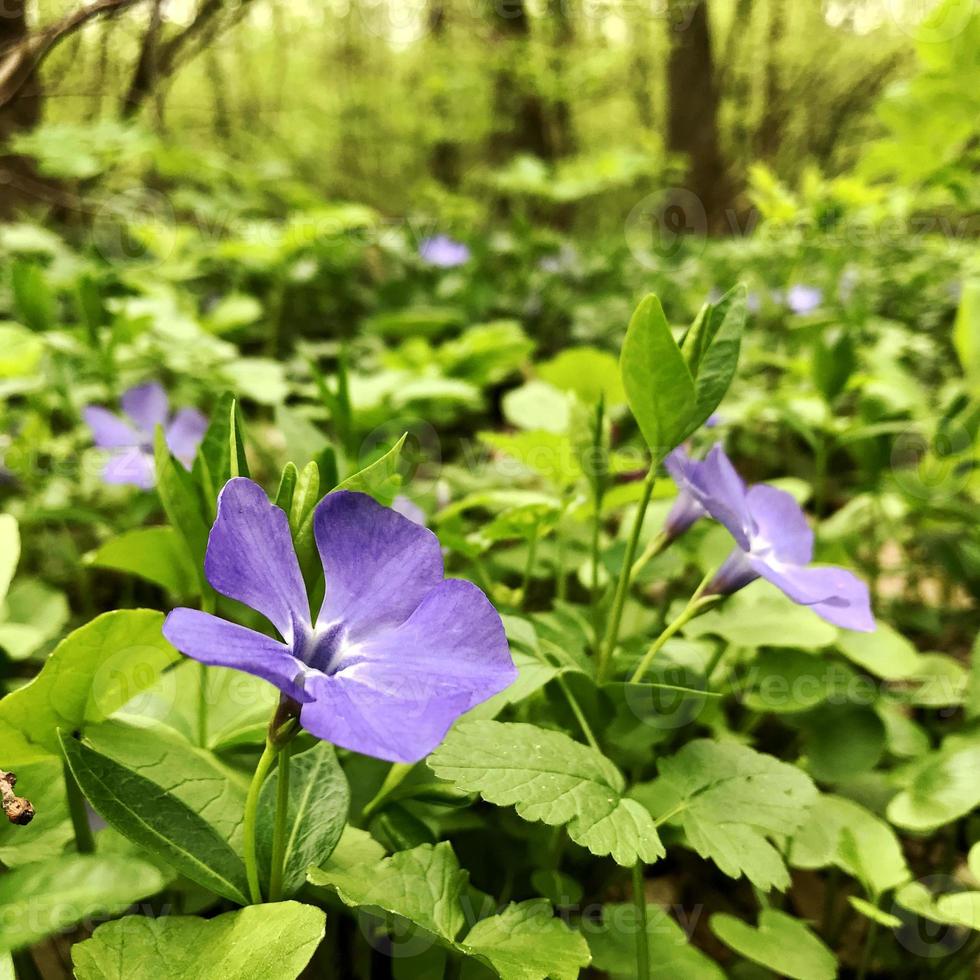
[563, 141]
[445, 158]
[692, 123]
[19, 182]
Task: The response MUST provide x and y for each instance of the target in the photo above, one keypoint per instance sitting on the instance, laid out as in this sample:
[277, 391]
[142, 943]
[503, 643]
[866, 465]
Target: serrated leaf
[423, 885]
[550, 777]
[526, 942]
[658, 382]
[44, 898]
[90, 674]
[262, 942]
[316, 814]
[157, 821]
[156, 554]
[729, 798]
[780, 943]
[672, 957]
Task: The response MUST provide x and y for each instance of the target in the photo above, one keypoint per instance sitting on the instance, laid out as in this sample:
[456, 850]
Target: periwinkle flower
[773, 541]
[687, 509]
[396, 653]
[131, 438]
[408, 508]
[444, 252]
[803, 299]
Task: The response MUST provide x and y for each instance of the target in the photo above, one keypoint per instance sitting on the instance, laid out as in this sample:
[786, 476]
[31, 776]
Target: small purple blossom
[803, 299]
[408, 508]
[773, 540]
[131, 438]
[444, 252]
[687, 509]
[396, 653]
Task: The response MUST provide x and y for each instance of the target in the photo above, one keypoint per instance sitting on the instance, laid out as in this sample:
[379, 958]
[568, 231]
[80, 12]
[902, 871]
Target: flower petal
[184, 434]
[218, 643]
[833, 593]
[721, 491]
[780, 520]
[250, 557]
[377, 564]
[130, 466]
[109, 431]
[146, 405]
[396, 695]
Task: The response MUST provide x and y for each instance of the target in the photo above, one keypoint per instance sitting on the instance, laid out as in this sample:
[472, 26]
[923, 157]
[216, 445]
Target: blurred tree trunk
[563, 141]
[145, 74]
[20, 114]
[641, 70]
[769, 136]
[692, 118]
[444, 154]
[520, 121]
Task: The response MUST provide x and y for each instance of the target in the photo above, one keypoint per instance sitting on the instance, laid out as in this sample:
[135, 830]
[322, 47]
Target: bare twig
[18, 810]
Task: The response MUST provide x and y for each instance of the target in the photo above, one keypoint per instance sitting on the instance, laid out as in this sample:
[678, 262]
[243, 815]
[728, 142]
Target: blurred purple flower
[803, 299]
[444, 252]
[131, 438]
[396, 654]
[774, 541]
[753, 302]
[408, 508]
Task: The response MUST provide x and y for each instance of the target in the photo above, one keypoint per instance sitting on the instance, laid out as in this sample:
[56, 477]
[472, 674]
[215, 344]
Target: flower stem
[84, 840]
[532, 554]
[625, 575]
[266, 761]
[397, 773]
[598, 479]
[279, 827]
[696, 605]
[657, 545]
[578, 712]
[867, 952]
[642, 940]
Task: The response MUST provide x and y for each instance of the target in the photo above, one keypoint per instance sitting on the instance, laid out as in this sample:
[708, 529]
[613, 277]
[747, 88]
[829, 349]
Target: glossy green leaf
[657, 379]
[157, 821]
[316, 814]
[781, 943]
[94, 671]
[379, 479]
[156, 554]
[42, 899]
[550, 777]
[262, 942]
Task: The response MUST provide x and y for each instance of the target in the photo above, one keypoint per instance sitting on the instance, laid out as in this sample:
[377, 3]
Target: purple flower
[408, 508]
[774, 542]
[444, 252]
[804, 299]
[396, 653]
[131, 438]
[687, 508]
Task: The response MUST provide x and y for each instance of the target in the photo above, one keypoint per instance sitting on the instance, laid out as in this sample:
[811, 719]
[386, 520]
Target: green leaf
[842, 740]
[379, 479]
[221, 454]
[952, 908]
[47, 897]
[41, 780]
[658, 382]
[871, 911]
[943, 789]
[423, 885]
[9, 552]
[93, 672]
[36, 614]
[885, 652]
[287, 487]
[262, 942]
[157, 821]
[7, 967]
[304, 498]
[156, 554]
[729, 798]
[780, 943]
[840, 832]
[180, 500]
[316, 814]
[20, 350]
[588, 372]
[537, 406]
[34, 301]
[672, 957]
[711, 349]
[526, 942]
[196, 777]
[966, 332]
[550, 777]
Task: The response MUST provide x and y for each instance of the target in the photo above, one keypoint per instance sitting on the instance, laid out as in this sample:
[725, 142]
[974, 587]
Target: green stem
[598, 476]
[561, 585]
[642, 940]
[657, 545]
[625, 574]
[202, 705]
[396, 774]
[695, 606]
[279, 827]
[532, 553]
[266, 762]
[866, 953]
[84, 841]
[579, 713]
